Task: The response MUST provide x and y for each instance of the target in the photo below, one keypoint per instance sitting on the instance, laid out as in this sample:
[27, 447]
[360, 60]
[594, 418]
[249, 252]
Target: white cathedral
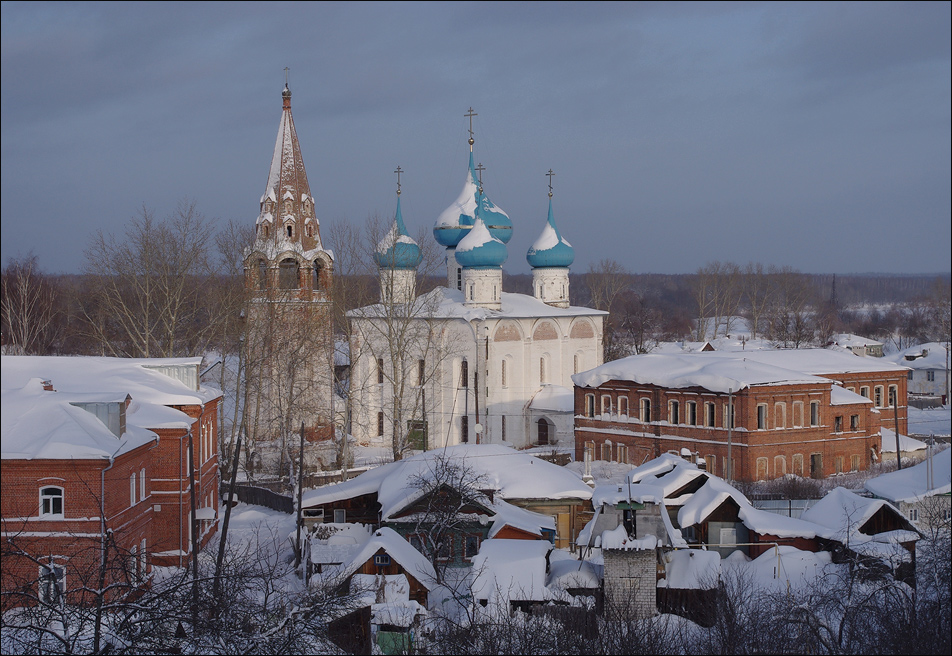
[469, 362]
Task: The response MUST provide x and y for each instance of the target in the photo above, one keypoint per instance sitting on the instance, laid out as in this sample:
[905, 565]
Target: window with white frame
[623, 406]
[711, 414]
[606, 406]
[814, 413]
[692, 413]
[52, 582]
[142, 483]
[51, 502]
[761, 416]
[674, 412]
[607, 450]
[878, 396]
[893, 396]
[502, 373]
[798, 414]
[132, 489]
[864, 391]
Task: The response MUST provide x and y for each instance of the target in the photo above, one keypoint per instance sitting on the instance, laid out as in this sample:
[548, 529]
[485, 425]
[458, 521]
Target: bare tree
[29, 307]
[149, 287]
[398, 348]
[717, 294]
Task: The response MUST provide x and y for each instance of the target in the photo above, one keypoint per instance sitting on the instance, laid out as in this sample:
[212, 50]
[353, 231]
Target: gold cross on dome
[470, 116]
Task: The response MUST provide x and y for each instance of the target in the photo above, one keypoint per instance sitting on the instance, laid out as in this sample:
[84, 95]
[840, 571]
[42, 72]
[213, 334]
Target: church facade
[469, 362]
[288, 347]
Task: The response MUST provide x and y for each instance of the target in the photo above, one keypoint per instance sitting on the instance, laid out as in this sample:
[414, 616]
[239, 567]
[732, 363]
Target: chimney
[48, 386]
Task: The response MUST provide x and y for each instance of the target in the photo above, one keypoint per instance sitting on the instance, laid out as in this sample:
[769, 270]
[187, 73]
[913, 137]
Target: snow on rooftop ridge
[906, 443]
[717, 372]
[911, 484]
[36, 424]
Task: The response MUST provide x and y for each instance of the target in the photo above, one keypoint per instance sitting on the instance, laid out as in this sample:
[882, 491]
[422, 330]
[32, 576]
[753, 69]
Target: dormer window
[269, 206]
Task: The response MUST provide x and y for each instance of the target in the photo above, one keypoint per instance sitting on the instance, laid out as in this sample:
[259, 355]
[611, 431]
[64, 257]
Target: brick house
[804, 412]
[96, 462]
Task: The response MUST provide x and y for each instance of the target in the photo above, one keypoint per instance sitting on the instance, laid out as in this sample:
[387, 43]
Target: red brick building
[96, 465]
[804, 412]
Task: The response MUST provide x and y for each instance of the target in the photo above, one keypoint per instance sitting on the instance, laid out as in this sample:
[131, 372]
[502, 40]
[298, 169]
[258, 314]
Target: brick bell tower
[289, 341]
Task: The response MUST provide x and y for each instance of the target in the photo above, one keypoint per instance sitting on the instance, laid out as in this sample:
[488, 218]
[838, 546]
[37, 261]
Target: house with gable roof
[518, 496]
[922, 493]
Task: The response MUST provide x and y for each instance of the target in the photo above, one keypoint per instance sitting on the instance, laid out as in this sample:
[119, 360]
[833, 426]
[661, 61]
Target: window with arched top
[288, 274]
[316, 274]
[290, 229]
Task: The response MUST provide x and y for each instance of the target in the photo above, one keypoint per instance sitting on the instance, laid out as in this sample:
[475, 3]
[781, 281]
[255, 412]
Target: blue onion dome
[457, 219]
[397, 250]
[550, 249]
[479, 249]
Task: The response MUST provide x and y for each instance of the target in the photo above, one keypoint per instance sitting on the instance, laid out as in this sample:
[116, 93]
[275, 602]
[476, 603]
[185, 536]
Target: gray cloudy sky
[811, 135]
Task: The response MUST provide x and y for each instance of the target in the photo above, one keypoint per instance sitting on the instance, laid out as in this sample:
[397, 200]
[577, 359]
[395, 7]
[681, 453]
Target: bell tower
[289, 342]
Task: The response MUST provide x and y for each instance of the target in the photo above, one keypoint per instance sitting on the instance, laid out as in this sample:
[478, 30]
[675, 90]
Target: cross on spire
[287, 76]
[470, 116]
[550, 174]
[398, 172]
[479, 171]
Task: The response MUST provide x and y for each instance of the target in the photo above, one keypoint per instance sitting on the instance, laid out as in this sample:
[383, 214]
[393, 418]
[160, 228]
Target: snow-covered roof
[912, 483]
[507, 514]
[396, 547]
[36, 424]
[510, 473]
[691, 569]
[849, 340]
[844, 511]
[554, 398]
[839, 395]
[566, 572]
[718, 372]
[511, 570]
[906, 443]
[141, 378]
[445, 303]
[924, 356]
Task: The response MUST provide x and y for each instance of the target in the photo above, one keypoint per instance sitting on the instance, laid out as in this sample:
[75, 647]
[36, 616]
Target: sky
[809, 135]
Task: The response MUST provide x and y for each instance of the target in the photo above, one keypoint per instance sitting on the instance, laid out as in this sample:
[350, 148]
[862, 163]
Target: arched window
[288, 274]
[290, 229]
[316, 274]
[51, 502]
[132, 489]
[502, 371]
[542, 370]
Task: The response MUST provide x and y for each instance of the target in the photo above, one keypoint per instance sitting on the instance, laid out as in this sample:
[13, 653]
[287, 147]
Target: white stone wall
[551, 285]
[523, 343]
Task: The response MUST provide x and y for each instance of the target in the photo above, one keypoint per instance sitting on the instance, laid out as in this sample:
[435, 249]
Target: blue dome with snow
[479, 249]
[550, 249]
[458, 219]
[397, 250]
[496, 220]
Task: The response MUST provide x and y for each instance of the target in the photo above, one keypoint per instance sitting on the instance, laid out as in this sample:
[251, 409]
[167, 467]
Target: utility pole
[300, 493]
[730, 433]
